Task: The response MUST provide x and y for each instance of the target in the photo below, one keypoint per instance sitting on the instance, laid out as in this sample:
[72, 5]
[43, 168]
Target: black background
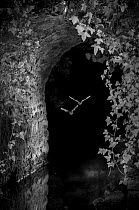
[76, 138]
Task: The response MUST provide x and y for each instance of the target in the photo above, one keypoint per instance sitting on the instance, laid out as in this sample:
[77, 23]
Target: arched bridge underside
[26, 64]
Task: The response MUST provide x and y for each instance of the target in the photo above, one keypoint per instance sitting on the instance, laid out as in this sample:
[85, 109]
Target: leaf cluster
[122, 47]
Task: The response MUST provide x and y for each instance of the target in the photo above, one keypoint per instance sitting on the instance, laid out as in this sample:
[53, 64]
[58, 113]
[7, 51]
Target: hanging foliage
[123, 51]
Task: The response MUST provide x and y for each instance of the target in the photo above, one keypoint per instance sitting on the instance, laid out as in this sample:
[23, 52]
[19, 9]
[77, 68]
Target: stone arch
[28, 149]
[19, 100]
[55, 36]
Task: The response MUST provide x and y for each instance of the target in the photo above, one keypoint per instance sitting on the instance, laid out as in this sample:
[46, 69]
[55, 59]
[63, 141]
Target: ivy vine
[122, 50]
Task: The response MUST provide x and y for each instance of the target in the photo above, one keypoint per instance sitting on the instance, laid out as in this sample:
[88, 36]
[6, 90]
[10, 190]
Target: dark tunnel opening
[76, 138]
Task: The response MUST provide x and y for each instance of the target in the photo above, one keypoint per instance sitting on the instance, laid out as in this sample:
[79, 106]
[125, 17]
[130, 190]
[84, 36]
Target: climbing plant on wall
[120, 42]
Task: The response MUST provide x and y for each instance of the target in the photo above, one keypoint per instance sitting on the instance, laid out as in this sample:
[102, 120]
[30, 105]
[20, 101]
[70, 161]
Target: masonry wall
[26, 63]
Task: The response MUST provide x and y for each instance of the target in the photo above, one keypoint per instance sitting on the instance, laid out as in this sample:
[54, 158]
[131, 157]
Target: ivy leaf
[74, 19]
[126, 158]
[99, 32]
[13, 158]
[114, 126]
[106, 11]
[89, 14]
[111, 164]
[83, 8]
[105, 132]
[22, 134]
[102, 151]
[96, 47]
[117, 59]
[80, 28]
[101, 49]
[84, 35]
[113, 144]
[123, 7]
[107, 137]
[91, 30]
[81, 32]
[108, 121]
[108, 157]
[99, 41]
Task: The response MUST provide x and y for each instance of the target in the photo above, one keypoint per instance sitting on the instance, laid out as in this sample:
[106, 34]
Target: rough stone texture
[24, 73]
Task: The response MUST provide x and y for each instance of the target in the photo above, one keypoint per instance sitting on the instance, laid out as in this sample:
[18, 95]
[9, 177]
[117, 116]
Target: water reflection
[29, 194]
[69, 188]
